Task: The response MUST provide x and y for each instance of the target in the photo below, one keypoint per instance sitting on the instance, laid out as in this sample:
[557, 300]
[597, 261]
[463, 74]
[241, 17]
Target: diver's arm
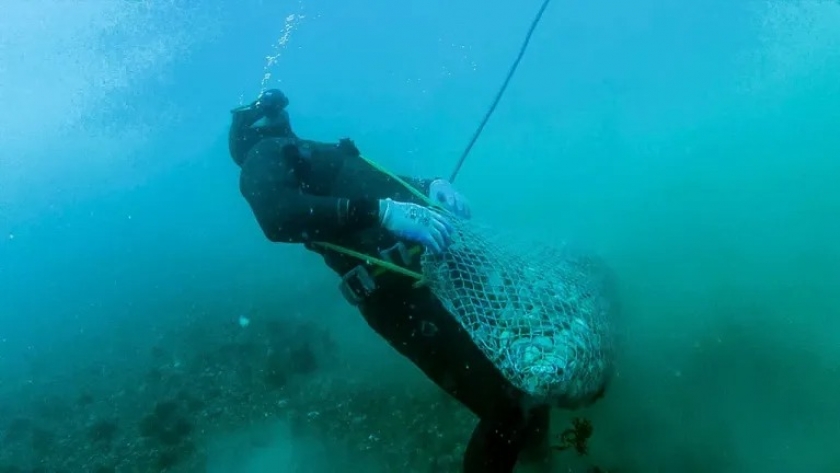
[246, 115]
[346, 145]
[242, 119]
[286, 215]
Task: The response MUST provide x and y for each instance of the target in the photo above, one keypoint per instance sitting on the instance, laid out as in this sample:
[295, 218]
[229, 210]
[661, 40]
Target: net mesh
[541, 314]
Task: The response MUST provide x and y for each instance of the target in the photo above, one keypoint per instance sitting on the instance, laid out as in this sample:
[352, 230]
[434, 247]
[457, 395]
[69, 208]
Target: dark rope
[500, 92]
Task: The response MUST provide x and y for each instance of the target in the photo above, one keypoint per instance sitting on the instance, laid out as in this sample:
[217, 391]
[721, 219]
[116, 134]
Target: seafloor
[277, 396]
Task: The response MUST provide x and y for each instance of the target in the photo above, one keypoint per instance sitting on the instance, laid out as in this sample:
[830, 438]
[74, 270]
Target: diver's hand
[415, 223]
[444, 193]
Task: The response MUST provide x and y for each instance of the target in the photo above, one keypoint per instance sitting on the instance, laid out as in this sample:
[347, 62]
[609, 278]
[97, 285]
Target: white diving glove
[444, 193]
[416, 224]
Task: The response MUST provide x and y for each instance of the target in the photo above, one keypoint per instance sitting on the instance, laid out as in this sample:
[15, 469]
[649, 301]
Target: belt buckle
[399, 250]
[357, 285]
[428, 329]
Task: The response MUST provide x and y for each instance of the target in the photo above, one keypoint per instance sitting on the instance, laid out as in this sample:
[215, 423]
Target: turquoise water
[693, 144]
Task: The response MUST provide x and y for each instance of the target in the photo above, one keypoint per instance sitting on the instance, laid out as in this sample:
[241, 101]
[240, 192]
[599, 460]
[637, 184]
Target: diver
[305, 192]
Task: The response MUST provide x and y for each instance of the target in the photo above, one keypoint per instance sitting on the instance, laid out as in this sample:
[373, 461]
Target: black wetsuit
[305, 192]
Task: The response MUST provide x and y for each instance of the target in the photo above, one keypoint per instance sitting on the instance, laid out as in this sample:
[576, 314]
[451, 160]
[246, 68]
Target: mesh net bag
[541, 314]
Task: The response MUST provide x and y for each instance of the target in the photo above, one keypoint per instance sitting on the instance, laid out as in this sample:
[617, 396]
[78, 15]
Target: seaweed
[576, 436]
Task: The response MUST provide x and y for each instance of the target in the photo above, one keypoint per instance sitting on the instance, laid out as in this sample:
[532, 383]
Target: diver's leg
[496, 445]
[415, 323]
[536, 445]
[493, 448]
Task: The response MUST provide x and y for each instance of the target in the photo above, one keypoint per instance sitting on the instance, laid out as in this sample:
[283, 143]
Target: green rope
[408, 186]
[369, 259]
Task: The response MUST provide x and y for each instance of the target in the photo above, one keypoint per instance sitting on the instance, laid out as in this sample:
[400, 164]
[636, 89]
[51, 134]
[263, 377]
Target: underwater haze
[694, 145]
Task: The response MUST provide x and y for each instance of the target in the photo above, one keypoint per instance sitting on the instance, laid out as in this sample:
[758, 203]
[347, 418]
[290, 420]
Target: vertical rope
[501, 92]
